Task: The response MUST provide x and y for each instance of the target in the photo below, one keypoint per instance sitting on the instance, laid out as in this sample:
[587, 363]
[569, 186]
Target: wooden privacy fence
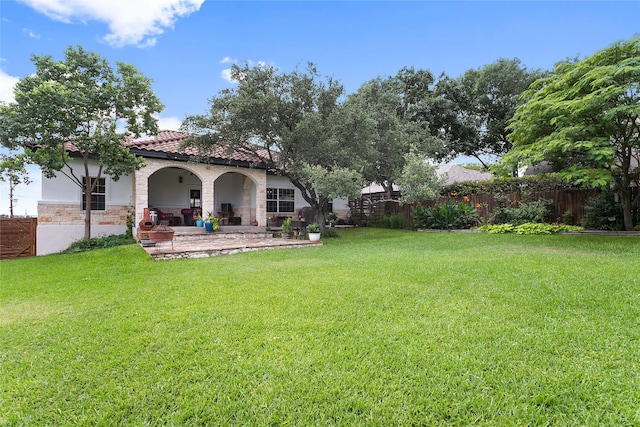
[17, 237]
[563, 201]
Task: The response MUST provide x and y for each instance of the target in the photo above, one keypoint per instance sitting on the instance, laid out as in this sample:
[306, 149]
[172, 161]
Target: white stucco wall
[340, 206]
[60, 214]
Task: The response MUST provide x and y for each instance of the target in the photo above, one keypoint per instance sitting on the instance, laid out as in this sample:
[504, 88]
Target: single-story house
[235, 186]
[450, 173]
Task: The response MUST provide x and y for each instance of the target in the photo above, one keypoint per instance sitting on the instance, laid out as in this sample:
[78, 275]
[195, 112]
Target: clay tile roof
[168, 142]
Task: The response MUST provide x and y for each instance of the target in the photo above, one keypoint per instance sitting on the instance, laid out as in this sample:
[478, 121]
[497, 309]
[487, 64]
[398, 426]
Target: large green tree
[80, 104]
[398, 115]
[295, 123]
[419, 180]
[479, 104]
[584, 118]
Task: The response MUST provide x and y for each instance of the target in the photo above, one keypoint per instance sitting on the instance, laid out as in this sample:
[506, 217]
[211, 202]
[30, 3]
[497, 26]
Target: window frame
[280, 200]
[98, 196]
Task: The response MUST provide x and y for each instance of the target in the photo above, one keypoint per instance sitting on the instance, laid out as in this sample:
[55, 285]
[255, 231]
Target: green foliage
[418, 180]
[332, 182]
[330, 232]
[13, 170]
[82, 101]
[511, 185]
[568, 218]
[394, 221]
[99, 243]
[527, 211]
[294, 123]
[215, 222]
[529, 228]
[398, 112]
[585, 119]
[481, 102]
[286, 225]
[314, 227]
[447, 216]
[602, 212]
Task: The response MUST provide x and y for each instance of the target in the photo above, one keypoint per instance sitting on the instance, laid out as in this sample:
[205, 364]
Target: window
[280, 200]
[194, 199]
[98, 197]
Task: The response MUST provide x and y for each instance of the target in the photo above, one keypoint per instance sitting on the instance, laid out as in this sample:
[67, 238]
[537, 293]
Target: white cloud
[31, 33]
[226, 73]
[136, 22]
[7, 83]
[169, 123]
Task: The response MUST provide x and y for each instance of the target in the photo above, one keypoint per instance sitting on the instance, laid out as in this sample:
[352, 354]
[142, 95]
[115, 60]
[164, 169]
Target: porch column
[207, 194]
[247, 213]
[261, 200]
[140, 194]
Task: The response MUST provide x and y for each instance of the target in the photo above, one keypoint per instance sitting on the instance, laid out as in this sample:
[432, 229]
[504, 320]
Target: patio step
[186, 234]
[195, 242]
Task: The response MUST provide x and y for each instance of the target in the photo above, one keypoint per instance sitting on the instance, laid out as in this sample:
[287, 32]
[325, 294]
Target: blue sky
[185, 46]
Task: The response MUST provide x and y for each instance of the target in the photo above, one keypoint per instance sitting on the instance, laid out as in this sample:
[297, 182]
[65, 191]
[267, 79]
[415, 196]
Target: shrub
[446, 216]
[330, 232]
[528, 228]
[527, 211]
[568, 218]
[602, 213]
[394, 221]
[314, 227]
[99, 243]
[544, 182]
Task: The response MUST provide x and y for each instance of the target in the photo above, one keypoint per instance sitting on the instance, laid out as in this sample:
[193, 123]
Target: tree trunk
[627, 211]
[11, 187]
[87, 212]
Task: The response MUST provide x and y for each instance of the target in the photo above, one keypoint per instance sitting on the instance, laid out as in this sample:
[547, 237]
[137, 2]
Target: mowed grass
[376, 328]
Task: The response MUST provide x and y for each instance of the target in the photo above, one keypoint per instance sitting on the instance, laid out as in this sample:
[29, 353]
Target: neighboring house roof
[451, 173]
[377, 188]
[455, 173]
[167, 144]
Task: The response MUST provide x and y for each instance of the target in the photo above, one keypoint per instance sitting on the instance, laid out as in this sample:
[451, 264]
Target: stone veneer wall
[72, 214]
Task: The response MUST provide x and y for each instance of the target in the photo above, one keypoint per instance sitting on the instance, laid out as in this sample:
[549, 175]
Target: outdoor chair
[165, 216]
[187, 214]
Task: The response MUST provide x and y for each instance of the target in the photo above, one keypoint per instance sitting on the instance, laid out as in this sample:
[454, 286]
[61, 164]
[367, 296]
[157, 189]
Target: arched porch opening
[174, 191]
[235, 199]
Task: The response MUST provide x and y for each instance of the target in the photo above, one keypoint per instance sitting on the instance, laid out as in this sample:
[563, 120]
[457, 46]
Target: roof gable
[167, 144]
[456, 173]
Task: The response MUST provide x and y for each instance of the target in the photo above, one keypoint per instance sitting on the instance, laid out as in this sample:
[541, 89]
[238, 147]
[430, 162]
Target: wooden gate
[17, 237]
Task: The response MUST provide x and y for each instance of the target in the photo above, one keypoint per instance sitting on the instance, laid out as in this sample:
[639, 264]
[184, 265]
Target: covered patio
[194, 242]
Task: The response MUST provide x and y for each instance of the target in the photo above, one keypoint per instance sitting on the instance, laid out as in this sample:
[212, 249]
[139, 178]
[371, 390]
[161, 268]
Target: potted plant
[199, 221]
[286, 228]
[332, 218]
[314, 231]
[254, 222]
[211, 222]
[214, 223]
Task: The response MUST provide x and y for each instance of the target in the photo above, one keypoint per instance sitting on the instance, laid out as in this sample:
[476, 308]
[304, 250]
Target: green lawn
[378, 327]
